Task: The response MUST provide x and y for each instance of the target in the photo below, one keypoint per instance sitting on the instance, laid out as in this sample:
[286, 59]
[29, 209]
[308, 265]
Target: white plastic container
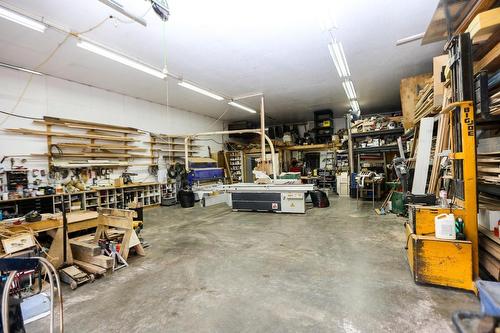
[444, 224]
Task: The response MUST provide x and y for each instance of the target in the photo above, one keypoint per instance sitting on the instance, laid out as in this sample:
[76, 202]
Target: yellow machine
[451, 263]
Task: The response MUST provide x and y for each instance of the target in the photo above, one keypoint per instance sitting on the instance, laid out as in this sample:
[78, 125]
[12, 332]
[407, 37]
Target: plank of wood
[489, 263]
[99, 260]
[479, 6]
[491, 59]
[90, 268]
[488, 233]
[84, 248]
[172, 143]
[442, 143]
[98, 146]
[26, 131]
[87, 127]
[489, 246]
[489, 160]
[487, 169]
[173, 150]
[484, 23]
[127, 213]
[81, 122]
[423, 155]
[91, 155]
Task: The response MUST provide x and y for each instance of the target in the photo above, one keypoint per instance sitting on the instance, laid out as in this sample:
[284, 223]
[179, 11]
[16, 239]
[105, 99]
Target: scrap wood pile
[376, 124]
[488, 173]
[495, 104]
[108, 248]
[488, 168]
[14, 242]
[425, 105]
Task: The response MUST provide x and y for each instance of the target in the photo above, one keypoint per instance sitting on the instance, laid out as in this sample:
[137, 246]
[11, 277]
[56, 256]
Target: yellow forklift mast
[451, 263]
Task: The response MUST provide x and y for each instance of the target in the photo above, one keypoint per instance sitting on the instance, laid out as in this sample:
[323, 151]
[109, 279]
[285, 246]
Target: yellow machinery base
[439, 261]
[425, 216]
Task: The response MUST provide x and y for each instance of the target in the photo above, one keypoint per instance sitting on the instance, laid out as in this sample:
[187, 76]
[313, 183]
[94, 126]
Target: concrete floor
[338, 269]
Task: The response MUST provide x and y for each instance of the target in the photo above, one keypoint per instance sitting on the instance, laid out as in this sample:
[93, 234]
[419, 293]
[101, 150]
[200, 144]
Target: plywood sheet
[423, 155]
[408, 90]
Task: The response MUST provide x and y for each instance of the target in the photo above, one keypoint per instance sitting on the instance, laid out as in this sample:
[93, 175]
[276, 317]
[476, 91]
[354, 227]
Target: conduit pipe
[258, 131]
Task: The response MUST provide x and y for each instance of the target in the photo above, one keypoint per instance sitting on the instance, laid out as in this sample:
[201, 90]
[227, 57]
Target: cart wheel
[73, 285]
[92, 277]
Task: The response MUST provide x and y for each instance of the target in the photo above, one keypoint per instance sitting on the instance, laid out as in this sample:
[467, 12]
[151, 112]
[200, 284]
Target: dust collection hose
[50, 270]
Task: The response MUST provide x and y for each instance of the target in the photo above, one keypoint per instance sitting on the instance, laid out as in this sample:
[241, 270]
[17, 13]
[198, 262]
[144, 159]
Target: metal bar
[271, 146]
[262, 134]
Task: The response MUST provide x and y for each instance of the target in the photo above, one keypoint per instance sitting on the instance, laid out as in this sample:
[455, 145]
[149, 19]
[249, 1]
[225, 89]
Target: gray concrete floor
[337, 269]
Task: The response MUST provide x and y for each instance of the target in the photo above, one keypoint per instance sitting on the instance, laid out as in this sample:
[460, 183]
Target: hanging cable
[20, 116]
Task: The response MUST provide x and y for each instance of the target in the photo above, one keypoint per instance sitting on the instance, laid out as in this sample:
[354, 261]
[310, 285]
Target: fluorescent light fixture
[119, 8]
[410, 39]
[246, 108]
[200, 90]
[338, 57]
[354, 105]
[17, 68]
[349, 89]
[22, 20]
[120, 58]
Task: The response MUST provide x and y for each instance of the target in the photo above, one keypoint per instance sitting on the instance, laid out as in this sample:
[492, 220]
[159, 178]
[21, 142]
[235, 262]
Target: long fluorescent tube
[349, 89]
[200, 90]
[17, 68]
[22, 20]
[338, 57]
[120, 58]
[410, 39]
[355, 105]
[246, 108]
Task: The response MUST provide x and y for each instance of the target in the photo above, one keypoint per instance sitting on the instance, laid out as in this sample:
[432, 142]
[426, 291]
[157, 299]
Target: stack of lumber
[442, 144]
[425, 105]
[488, 201]
[489, 252]
[86, 143]
[87, 255]
[408, 90]
[488, 168]
[495, 104]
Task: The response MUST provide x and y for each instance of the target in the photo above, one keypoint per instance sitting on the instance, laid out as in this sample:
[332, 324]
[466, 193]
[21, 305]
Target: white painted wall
[60, 98]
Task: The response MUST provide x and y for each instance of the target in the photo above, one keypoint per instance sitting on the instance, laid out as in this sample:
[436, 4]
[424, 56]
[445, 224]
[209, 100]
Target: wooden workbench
[77, 221]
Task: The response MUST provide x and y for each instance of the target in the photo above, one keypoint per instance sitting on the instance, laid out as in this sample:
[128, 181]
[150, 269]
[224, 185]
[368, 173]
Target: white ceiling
[236, 47]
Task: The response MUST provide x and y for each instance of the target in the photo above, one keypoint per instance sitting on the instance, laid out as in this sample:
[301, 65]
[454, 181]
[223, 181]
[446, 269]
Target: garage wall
[61, 98]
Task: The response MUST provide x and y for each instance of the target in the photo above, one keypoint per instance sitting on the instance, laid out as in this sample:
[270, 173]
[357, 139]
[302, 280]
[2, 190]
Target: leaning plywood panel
[423, 155]
[409, 89]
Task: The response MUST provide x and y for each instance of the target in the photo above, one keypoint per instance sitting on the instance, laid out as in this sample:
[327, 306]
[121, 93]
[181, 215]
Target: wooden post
[262, 134]
[49, 146]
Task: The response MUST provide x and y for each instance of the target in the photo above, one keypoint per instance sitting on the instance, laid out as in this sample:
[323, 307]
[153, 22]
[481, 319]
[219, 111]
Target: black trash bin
[319, 199]
[186, 198]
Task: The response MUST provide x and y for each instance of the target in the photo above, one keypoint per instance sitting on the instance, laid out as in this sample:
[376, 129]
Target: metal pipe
[50, 271]
[51, 283]
[59, 291]
[262, 134]
[266, 138]
[5, 301]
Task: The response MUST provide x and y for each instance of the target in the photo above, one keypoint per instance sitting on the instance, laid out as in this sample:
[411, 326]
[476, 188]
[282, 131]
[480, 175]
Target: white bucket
[444, 224]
